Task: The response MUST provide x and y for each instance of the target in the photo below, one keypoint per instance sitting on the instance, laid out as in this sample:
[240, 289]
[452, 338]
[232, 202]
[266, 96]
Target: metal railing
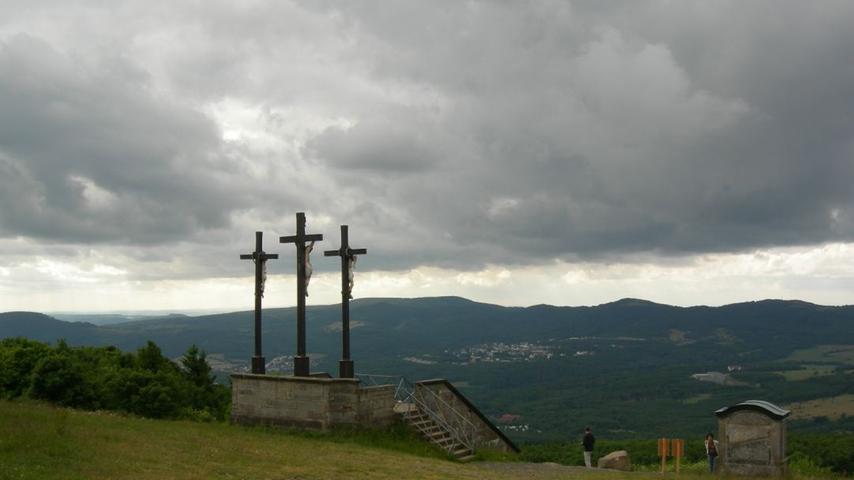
[398, 381]
[430, 403]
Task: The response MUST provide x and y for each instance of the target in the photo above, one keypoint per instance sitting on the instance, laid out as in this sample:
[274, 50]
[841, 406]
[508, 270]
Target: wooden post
[678, 451]
[663, 447]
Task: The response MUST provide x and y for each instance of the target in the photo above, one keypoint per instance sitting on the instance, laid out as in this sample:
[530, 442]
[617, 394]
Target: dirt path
[548, 470]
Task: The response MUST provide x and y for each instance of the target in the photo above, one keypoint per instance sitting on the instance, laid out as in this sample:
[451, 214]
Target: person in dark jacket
[588, 442]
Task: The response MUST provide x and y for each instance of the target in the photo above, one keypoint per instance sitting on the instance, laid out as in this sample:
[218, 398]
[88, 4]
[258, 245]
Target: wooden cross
[348, 256]
[260, 258]
[301, 363]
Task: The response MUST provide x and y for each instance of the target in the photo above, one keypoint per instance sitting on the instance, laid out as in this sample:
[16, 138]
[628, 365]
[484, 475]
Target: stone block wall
[376, 406]
[309, 402]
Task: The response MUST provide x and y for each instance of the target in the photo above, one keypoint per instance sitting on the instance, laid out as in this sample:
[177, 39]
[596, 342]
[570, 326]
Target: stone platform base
[309, 402]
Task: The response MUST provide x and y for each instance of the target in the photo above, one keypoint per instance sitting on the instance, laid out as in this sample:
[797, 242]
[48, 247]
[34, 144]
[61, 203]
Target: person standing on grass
[711, 451]
[588, 442]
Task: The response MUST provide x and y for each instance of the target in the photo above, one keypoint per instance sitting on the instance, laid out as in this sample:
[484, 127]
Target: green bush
[18, 357]
[61, 379]
[146, 383]
[832, 451]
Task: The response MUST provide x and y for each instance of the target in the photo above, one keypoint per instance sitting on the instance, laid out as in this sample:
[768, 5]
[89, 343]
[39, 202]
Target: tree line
[144, 383]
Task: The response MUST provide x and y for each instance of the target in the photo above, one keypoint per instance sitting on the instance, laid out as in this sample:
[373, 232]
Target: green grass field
[832, 407]
[43, 442]
[839, 354]
[807, 372]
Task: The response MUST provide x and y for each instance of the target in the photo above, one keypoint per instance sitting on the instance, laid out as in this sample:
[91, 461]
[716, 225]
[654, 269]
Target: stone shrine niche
[753, 438]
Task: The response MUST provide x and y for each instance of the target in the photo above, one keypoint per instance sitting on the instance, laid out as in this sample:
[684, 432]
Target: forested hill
[43, 327]
[772, 328]
[628, 367]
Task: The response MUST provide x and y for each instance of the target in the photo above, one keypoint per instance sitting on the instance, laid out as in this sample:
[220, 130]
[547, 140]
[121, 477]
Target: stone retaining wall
[309, 402]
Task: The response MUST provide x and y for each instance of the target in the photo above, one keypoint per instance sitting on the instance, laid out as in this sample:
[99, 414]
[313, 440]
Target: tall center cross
[348, 258]
[260, 259]
[301, 362]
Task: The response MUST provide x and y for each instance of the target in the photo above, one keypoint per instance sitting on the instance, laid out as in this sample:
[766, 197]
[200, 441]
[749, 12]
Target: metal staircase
[439, 434]
[434, 418]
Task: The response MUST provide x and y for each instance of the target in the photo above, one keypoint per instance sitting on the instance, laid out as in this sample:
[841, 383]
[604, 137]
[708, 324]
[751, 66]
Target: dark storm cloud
[376, 146]
[585, 133]
[444, 133]
[89, 152]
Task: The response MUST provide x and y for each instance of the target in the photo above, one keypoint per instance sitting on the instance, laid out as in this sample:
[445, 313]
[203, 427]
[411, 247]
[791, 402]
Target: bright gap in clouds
[823, 275]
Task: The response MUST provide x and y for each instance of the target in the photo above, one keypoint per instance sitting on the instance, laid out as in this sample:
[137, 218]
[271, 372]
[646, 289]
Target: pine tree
[198, 372]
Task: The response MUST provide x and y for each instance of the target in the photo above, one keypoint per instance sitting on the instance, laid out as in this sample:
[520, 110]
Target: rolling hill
[631, 368]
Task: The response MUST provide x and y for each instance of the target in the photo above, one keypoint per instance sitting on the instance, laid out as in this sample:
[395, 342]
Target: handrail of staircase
[375, 380]
[465, 424]
[405, 392]
[458, 432]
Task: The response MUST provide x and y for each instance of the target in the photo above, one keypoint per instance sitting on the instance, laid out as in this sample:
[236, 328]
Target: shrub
[18, 357]
[145, 383]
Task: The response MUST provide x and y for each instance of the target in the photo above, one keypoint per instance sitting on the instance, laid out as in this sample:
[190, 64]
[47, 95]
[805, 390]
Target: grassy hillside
[42, 442]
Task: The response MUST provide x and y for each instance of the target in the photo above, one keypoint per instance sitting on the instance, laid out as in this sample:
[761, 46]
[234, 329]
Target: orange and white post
[663, 451]
[678, 446]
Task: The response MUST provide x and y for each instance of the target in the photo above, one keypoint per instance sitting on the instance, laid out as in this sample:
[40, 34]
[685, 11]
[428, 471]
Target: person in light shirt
[711, 451]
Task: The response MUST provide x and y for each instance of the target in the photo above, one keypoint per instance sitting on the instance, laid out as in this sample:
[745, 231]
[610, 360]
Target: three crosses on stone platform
[348, 259]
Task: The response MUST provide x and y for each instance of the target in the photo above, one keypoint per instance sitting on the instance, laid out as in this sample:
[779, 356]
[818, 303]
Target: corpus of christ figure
[301, 362]
[260, 258]
[348, 262]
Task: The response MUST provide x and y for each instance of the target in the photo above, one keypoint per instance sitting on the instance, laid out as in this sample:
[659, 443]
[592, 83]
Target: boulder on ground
[618, 460]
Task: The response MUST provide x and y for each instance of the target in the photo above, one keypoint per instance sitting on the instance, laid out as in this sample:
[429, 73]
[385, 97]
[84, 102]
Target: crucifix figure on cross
[348, 260]
[301, 363]
[260, 258]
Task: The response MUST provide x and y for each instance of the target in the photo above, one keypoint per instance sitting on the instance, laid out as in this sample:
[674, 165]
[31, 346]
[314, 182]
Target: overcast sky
[570, 153]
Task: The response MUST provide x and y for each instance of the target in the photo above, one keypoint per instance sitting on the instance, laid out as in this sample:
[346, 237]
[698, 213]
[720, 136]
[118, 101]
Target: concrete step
[461, 450]
[405, 408]
[445, 443]
[425, 426]
[439, 434]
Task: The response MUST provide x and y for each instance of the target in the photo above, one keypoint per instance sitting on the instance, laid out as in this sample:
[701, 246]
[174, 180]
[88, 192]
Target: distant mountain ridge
[447, 320]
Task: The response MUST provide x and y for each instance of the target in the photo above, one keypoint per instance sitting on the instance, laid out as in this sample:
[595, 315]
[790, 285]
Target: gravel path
[549, 470]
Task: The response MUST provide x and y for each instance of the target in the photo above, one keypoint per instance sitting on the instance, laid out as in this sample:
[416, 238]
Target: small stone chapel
[753, 439]
[435, 408]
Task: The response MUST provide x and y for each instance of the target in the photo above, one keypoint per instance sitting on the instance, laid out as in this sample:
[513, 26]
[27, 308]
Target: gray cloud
[453, 134]
[608, 139]
[90, 153]
[380, 146]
